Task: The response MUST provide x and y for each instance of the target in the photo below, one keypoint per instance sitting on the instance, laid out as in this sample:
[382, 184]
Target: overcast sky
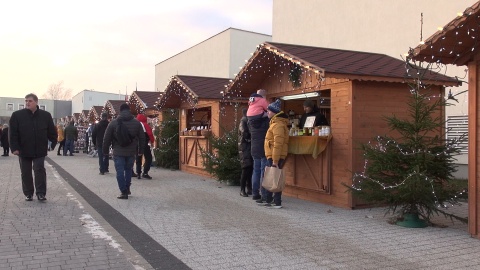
[109, 46]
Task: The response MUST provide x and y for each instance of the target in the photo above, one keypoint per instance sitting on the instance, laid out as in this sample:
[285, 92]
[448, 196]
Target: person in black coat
[245, 153]
[4, 140]
[30, 129]
[312, 110]
[258, 126]
[97, 139]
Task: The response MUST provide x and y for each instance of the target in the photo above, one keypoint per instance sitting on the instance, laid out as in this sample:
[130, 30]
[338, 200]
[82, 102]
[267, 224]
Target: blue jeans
[124, 167]
[103, 160]
[257, 177]
[68, 147]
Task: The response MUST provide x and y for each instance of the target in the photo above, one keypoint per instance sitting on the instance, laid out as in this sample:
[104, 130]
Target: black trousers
[246, 178]
[38, 166]
[148, 161]
[61, 145]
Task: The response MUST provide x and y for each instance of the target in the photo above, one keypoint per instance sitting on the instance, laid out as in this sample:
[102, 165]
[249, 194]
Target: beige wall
[387, 27]
[219, 56]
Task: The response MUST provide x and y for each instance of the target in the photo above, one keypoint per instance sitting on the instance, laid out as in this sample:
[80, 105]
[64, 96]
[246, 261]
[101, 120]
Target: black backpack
[122, 135]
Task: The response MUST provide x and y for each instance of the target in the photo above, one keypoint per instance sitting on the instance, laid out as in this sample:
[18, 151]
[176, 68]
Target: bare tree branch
[58, 92]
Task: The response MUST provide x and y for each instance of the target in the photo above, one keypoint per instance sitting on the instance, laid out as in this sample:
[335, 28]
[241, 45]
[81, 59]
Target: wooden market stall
[203, 110]
[112, 107]
[354, 90]
[144, 102]
[95, 113]
[457, 43]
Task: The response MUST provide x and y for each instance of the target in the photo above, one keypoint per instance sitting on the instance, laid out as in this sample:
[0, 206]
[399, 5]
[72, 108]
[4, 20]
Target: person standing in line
[245, 153]
[258, 125]
[4, 140]
[71, 135]
[147, 153]
[276, 146]
[60, 139]
[29, 133]
[124, 156]
[97, 140]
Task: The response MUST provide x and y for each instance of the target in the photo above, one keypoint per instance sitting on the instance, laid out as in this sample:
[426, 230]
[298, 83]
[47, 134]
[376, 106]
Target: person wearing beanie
[124, 156]
[97, 139]
[147, 152]
[311, 109]
[276, 148]
[245, 153]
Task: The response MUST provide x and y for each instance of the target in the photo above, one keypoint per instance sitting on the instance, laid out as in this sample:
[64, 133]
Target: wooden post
[473, 131]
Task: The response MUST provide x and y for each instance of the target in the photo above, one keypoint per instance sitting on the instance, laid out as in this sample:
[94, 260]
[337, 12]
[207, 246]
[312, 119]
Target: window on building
[21, 106]
[9, 106]
[42, 107]
[457, 127]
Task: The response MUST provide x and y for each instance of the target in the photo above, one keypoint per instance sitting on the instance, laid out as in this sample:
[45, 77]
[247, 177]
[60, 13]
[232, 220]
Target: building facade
[220, 56]
[85, 99]
[58, 108]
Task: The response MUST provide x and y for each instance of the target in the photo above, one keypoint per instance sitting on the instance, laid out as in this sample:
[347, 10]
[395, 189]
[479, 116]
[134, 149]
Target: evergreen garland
[294, 75]
[166, 153]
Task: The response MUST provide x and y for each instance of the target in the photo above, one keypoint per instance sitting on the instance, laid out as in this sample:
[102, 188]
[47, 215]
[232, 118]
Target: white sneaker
[272, 206]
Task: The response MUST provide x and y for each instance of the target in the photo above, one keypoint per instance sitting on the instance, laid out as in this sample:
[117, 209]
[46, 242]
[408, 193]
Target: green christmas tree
[223, 161]
[166, 153]
[412, 173]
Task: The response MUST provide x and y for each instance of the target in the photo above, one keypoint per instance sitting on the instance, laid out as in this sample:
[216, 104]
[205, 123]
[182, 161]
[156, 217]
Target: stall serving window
[199, 118]
[293, 105]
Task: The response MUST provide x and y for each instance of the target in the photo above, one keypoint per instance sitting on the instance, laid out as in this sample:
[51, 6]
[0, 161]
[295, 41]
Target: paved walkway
[181, 221]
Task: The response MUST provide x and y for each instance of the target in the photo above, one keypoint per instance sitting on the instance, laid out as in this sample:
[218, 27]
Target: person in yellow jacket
[60, 138]
[276, 146]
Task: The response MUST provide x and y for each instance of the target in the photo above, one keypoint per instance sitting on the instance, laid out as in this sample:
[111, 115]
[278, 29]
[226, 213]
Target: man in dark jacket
[124, 156]
[312, 110]
[71, 135]
[97, 139]
[30, 131]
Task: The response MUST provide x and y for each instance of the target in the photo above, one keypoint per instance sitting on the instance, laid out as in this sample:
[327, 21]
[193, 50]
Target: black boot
[123, 196]
[243, 193]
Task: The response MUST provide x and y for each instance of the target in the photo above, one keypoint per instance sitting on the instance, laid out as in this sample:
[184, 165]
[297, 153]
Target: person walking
[4, 140]
[29, 133]
[97, 140]
[258, 125]
[60, 139]
[71, 135]
[245, 153]
[147, 153]
[124, 156]
[276, 146]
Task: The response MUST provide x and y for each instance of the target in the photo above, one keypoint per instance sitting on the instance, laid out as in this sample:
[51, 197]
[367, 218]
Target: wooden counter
[190, 153]
[308, 166]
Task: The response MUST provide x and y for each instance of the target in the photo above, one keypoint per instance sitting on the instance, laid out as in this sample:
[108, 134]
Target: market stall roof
[84, 116]
[94, 113]
[326, 63]
[76, 117]
[144, 102]
[191, 89]
[112, 107]
[455, 43]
